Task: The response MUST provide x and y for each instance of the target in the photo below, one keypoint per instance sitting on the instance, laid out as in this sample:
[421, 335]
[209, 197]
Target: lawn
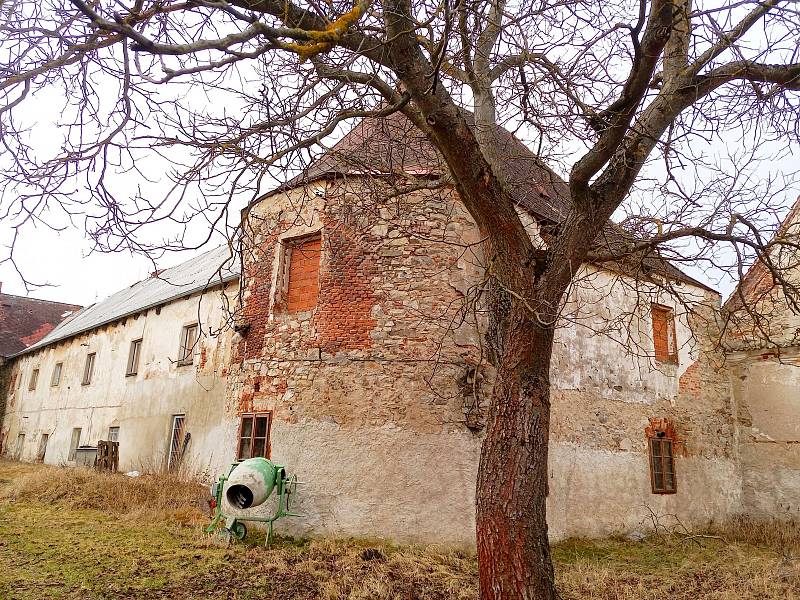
[146, 543]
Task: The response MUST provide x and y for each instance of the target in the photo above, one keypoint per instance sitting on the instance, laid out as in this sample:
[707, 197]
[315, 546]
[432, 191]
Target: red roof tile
[24, 321]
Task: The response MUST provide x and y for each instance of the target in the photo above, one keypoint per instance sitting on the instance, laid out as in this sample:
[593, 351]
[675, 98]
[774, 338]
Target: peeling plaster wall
[142, 406]
[765, 389]
[374, 415]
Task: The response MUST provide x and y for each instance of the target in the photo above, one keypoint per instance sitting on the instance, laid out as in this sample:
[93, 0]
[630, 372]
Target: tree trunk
[513, 548]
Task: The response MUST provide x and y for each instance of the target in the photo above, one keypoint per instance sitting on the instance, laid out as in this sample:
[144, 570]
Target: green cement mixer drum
[251, 482]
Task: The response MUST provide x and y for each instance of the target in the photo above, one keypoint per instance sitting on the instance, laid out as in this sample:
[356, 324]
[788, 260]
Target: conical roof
[394, 145]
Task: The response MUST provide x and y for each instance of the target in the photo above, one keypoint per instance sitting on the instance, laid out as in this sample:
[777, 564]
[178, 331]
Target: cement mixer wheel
[239, 530]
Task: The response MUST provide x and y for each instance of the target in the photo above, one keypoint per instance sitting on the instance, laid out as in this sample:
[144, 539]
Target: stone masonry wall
[378, 394]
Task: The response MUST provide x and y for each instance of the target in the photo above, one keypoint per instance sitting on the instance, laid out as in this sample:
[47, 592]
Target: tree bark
[513, 547]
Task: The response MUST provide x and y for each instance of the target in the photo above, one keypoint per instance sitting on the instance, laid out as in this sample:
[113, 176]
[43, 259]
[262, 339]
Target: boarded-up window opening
[20, 446]
[254, 432]
[56, 378]
[301, 273]
[664, 334]
[662, 465]
[74, 443]
[176, 441]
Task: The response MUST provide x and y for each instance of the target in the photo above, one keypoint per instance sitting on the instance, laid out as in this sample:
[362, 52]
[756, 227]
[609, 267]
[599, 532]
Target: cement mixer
[246, 485]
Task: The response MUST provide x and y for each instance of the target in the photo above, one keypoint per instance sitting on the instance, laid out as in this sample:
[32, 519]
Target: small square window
[188, 344]
[662, 465]
[254, 432]
[113, 434]
[664, 343]
[55, 380]
[34, 380]
[88, 369]
[133, 358]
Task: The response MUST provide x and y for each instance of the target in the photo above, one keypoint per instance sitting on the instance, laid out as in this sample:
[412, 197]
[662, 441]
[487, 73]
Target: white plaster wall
[142, 406]
[765, 390]
[389, 483]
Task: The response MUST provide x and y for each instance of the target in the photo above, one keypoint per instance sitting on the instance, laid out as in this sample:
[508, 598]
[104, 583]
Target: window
[664, 334]
[34, 380]
[662, 465]
[88, 370]
[42, 447]
[133, 358]
[74, 443]
[301, 273]
[56, 378]
[113, 434]
[176, 442]
[188, 343]
[254, 435]
[20, 446]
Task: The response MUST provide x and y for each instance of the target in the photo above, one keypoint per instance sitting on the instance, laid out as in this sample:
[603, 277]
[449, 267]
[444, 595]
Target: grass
[68, 533]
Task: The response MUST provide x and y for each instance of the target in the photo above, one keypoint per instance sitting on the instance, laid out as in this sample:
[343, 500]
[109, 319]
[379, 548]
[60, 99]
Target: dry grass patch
[73, 533]
[166, 496]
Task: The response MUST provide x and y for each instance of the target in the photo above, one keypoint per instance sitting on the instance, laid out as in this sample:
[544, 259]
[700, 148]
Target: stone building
[349, 349]
[763, 357]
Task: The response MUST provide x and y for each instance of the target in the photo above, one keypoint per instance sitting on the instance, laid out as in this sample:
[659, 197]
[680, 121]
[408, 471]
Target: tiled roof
[208, 270]
[25, 321]
[394, 145]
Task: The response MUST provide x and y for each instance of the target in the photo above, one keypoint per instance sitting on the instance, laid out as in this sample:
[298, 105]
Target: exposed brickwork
[663, 333]
[665, 427]
[370, 344]
[691, 382]
[257, 298]
[343, 320]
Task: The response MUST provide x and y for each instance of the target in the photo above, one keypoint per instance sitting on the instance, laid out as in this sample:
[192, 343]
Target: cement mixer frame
[232, 527]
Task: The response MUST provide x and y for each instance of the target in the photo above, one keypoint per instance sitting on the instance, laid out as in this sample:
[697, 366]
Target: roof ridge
[30, 299]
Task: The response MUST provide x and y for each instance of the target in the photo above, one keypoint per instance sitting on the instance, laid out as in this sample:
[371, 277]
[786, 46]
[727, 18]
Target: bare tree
[235, 92]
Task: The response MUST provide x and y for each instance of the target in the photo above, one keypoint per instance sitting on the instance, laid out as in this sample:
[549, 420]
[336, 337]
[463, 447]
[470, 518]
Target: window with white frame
[133, 358]
[188, 344]
[34, 380]
[55, 380]
[88, 369]
[74, 442]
